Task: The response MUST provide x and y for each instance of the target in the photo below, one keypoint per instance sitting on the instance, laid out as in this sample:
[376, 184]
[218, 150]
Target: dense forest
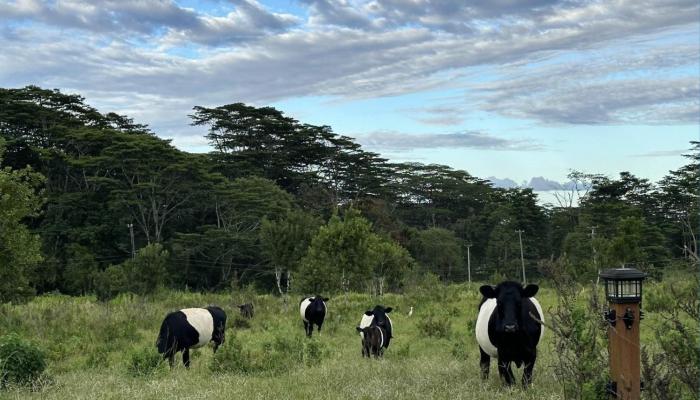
[94, 203]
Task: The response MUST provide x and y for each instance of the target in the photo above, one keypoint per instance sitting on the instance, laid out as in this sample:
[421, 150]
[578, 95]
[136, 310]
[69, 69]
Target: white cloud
[395, 141]
[363, 49]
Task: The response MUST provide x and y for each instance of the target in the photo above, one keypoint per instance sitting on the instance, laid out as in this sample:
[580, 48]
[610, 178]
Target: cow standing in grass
[373, 340]
[506, 330]
[190, 328]
[377, 318]
[313, 312]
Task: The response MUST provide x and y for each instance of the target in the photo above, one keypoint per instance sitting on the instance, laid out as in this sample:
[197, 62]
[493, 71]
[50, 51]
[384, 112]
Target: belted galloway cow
[190, 328]
[506, 329]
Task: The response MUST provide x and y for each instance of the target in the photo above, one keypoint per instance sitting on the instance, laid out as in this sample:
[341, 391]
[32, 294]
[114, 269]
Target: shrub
[313, 352]
[674, 371]
[435, 326]
[579, 338]
[280, 354]
[144, 362]
[21, 362]
[240, 323]
[232, 358]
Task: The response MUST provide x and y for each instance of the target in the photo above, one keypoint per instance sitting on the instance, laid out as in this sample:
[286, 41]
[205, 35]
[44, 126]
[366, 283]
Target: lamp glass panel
[610, 289]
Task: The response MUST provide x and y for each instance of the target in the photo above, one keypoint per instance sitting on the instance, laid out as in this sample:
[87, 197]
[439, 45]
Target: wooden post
[624, 352]
[623, 291]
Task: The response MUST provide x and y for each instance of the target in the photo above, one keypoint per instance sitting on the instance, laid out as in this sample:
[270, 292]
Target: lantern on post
[623, 290]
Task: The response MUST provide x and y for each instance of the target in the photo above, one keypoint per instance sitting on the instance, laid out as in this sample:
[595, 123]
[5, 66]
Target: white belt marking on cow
[202, 321]
[367, 321]
[303, 306]
[482, 327]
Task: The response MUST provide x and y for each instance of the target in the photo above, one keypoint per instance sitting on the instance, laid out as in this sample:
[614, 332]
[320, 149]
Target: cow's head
[380, 318]
[317, 303]
[509, 304]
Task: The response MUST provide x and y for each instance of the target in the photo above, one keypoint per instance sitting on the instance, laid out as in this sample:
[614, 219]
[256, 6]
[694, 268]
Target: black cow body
[190, 328]
[374, 339]
[378, 317]
[313, 312]
[506, 330]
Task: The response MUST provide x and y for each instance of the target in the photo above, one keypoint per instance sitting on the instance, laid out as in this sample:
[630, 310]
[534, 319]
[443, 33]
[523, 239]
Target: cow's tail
[164, 337]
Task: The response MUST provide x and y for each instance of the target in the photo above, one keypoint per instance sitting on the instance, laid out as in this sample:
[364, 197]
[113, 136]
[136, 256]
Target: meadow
[90, 347]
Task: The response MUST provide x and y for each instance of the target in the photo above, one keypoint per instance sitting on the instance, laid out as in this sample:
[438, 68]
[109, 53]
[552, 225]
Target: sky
[511, 89]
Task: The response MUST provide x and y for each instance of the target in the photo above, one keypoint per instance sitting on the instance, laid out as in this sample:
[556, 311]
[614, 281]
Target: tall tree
[19, 248]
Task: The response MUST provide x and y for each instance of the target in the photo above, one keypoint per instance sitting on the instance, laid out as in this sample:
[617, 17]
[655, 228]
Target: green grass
[89, 346]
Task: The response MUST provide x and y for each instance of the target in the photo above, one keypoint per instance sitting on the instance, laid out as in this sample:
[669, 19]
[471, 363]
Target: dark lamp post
[623, 290]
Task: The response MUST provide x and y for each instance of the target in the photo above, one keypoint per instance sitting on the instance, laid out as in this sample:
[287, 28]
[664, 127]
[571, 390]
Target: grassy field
[89, 346]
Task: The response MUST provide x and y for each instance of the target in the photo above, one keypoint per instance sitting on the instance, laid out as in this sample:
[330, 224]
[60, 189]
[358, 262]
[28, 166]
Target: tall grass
[91, 346]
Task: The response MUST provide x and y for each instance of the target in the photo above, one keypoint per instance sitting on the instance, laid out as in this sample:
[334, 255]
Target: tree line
[97, 203]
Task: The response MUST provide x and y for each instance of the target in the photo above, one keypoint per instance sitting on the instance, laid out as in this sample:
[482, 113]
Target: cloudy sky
[507, 88]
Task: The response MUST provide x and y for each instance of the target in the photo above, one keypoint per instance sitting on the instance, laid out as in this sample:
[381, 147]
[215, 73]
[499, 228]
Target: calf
[190, 328]
[373, 340]
[378, 317]
[247, 310]
[313, 312]
[506, 330]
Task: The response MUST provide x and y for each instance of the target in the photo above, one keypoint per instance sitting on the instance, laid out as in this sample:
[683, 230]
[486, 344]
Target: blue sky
[505, 88]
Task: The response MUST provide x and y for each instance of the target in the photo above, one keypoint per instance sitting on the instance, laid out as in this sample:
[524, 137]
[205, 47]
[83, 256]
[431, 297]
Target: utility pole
[469, 264]
[595, 259]
[131, 232]
[522, 258]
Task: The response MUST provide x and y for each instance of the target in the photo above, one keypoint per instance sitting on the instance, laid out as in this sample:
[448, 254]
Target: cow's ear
[530, 290]
[488, 291]
[326, 299]
[369, 313]
[387, 310]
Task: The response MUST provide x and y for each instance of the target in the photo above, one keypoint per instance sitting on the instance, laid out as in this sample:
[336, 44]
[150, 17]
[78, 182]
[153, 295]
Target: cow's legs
[485, 364]
[171, 359]
[186, 357]
[306, 328]
[319, 328]
[527, 371]
[506, 372]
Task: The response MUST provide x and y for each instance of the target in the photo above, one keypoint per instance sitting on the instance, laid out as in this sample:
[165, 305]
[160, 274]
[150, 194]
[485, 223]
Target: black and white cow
[373, 340]
[313, 312]
[505, 329]
[190, 328]
[377, 317]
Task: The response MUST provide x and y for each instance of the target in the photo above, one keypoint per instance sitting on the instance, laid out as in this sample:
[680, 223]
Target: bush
[280, 354]
[144, 362]
[21, 363]
[313, 352]
[232, 358]
[435, 326]
[240, 323]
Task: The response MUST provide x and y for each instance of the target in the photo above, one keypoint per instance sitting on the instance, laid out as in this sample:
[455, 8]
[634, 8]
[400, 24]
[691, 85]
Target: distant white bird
[410, 312]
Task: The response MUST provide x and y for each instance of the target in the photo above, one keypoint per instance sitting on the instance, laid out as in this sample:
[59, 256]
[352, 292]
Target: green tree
[439, 251]
[285, 241]
[339, 251]
[19, 248]
[391, 262]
